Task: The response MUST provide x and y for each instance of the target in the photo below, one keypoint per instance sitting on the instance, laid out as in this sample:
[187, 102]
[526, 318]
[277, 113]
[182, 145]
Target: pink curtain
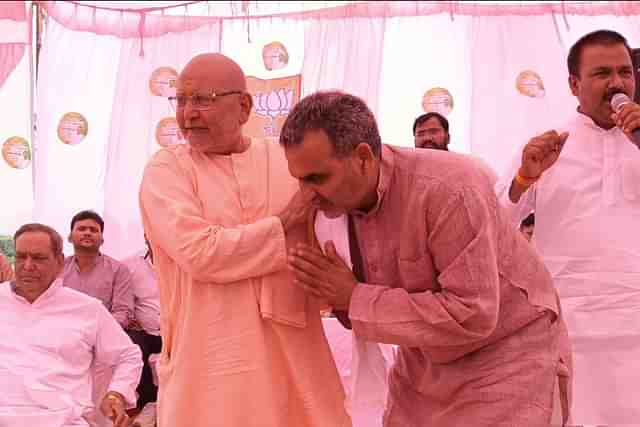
[13, 36]
[151, 21]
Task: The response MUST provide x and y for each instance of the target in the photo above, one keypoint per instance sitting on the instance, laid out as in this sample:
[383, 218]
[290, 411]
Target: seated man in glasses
[242, 346]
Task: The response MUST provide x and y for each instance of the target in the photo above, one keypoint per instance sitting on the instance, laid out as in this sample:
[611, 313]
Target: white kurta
[368, 362]
[146, 294]
[587, 231]
[47, 350]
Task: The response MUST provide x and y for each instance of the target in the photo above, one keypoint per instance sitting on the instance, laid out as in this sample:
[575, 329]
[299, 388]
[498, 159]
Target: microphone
[617, 102]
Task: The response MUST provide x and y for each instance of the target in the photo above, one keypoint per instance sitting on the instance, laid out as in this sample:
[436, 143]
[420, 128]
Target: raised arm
[517, 188]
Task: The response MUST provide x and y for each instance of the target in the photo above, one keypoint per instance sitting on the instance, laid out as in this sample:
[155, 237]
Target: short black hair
[528, 221]
[81, 216]
[599, 37]
[423, 118]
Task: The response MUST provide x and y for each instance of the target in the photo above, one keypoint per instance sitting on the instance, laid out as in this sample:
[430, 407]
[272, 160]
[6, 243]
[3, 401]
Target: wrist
[114, 395]
[524, 180]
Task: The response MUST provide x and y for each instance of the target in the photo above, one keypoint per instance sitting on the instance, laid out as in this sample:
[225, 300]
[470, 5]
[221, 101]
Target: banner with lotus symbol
[273, 99]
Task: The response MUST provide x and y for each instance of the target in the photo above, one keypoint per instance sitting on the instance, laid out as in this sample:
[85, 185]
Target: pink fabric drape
[13, 10]
[152, 22]
[122, 23]
[12, 45]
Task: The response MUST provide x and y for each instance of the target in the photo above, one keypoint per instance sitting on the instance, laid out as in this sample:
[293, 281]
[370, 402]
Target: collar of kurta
[99, 258]
[51, 290]
[387, 165]
[585, 120]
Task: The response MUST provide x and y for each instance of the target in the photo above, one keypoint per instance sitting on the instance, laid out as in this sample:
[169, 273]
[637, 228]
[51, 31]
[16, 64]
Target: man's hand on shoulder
[297, 211]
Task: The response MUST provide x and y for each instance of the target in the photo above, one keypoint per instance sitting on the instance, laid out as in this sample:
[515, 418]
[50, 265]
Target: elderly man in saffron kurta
[438, 270]
[242, 346]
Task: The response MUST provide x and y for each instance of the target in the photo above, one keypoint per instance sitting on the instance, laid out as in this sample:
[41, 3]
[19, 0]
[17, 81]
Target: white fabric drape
[344, 54]
[421, 53]
[502, 119]
[77, 74]
[243, 41]
[16, 190]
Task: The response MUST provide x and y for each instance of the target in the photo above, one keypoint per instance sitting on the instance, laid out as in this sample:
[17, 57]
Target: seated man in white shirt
[51, 336]
[145, 329]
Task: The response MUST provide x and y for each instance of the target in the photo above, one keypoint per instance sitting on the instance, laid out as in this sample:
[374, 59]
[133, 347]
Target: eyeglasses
[199, 102]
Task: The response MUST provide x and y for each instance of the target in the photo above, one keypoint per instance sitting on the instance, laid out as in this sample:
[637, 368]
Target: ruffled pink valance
[152, 22]
[122, 23]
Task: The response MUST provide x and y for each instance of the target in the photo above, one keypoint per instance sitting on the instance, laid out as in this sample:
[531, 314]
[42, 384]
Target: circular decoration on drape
[163, 82]
[16, 152]
[529, 83]
[168, 132]
[72, 128]
[439, 100]
[275, 56]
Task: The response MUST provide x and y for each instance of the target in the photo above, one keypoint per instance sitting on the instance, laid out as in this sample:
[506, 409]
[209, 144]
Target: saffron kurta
[587, 209]
[463, 295]
[242, 346]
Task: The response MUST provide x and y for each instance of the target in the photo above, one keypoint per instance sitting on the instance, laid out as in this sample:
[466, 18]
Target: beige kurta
[242, 346]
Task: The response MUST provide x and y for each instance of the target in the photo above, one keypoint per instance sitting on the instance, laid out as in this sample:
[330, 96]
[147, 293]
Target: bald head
[214, 104]
[216, 69]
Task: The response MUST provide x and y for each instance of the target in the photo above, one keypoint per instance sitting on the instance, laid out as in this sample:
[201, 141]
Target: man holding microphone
[583, 182]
